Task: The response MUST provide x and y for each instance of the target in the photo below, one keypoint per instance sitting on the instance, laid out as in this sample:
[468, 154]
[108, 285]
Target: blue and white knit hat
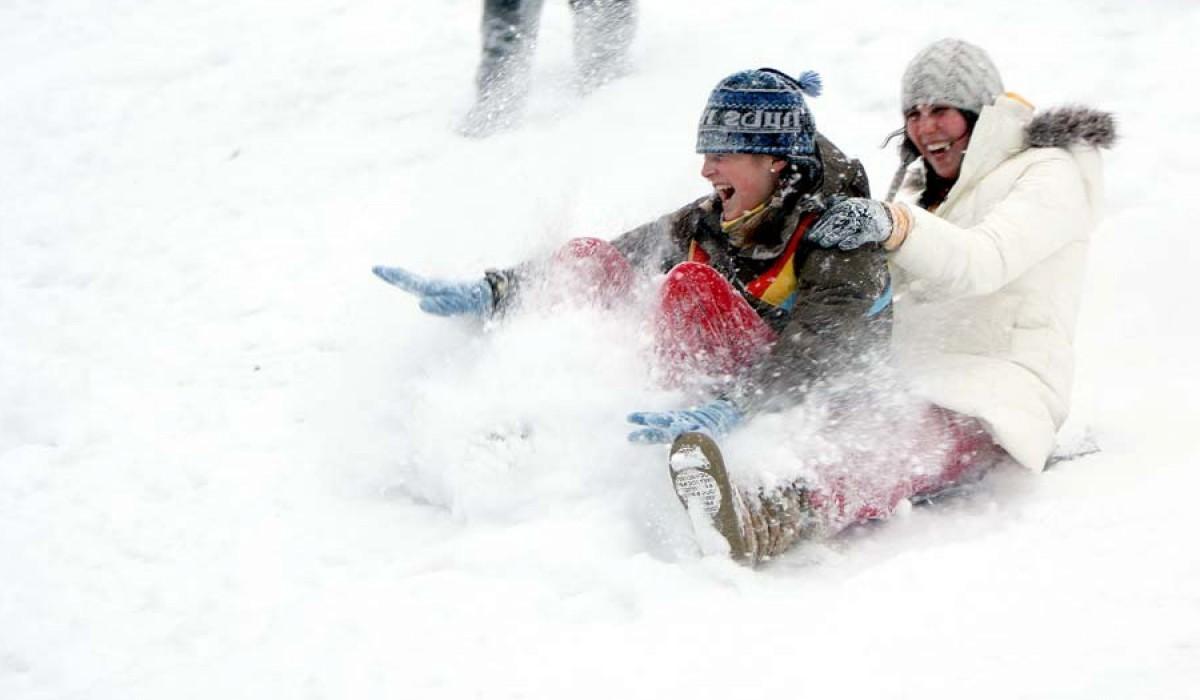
[760, 111]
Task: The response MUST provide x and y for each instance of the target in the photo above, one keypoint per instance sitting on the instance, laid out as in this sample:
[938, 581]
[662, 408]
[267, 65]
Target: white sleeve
[1046, 209]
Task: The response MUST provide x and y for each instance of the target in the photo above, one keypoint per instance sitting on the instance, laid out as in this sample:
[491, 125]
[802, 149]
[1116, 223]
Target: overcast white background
[234, 464]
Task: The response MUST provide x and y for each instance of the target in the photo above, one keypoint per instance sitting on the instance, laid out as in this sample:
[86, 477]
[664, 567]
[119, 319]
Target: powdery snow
[234, 464]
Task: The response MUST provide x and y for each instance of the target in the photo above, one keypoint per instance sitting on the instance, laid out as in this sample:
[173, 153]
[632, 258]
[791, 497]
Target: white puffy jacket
[988, 288]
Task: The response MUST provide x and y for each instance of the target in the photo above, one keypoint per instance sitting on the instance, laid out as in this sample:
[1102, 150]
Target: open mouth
[725, 192]
[937, 148]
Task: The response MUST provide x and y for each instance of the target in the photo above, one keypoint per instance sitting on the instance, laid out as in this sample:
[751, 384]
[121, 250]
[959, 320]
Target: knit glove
[851, 223]
[440, 297]
[715, 418]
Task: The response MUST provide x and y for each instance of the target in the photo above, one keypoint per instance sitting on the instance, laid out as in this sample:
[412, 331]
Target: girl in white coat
[987, 243]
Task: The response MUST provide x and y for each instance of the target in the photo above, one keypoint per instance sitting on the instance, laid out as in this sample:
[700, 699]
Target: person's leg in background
[509, 31]
[603, 33]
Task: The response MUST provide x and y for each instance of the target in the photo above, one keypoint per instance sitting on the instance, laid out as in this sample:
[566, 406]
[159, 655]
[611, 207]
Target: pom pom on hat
[810, 83]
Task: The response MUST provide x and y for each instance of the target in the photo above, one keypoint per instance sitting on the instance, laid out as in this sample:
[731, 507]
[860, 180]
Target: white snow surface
[233, 464]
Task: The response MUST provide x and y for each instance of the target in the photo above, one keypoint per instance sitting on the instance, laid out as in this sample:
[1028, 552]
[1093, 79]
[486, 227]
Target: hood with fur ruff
[1059, 127]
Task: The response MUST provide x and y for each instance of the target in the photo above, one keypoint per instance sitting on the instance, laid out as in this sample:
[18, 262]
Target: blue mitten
[851, 223]
[440, 297]
[715, 418]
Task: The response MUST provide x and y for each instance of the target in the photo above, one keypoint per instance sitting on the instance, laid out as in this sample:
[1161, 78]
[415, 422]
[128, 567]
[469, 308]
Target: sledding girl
[748, 299]
[745, 294]
[987, 244]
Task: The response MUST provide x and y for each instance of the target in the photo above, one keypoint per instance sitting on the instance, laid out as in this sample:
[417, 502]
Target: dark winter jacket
[839, 319]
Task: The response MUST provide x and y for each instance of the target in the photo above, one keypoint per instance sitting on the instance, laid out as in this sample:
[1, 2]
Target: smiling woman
[773, 175]
[987, 241]
[940, 133]
[743, 181]
[752, 315]
[944, 90]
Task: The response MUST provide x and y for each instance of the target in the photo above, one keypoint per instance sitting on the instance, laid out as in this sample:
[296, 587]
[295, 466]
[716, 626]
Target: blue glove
[715, 418]
[851, 223]
[440, 297]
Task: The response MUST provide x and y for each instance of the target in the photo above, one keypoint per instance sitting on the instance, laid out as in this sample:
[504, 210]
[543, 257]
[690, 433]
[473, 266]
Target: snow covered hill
[235, 465]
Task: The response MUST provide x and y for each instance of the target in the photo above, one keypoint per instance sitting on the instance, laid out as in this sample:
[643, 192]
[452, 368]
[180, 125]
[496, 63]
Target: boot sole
[702, 486]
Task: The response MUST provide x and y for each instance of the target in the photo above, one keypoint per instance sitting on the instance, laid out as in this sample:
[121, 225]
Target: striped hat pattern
[760, 111]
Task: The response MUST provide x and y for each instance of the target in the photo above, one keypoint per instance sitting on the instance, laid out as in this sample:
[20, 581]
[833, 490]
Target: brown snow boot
[749, 528]
[781, 516]
[718, 514]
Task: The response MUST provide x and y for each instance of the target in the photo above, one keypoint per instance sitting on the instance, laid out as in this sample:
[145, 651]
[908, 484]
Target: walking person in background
[603, 32]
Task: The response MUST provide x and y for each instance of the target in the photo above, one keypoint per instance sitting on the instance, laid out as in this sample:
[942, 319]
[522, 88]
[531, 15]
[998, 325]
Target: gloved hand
[851, 223]
[441, 297]
[715, 418]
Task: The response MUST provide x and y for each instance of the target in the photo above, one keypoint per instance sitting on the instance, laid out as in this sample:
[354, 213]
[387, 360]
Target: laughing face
[741, 180]
[941, 135]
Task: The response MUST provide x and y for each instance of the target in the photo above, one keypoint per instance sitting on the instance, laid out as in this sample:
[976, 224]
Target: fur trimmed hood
[1063, 127]
[1058, 127]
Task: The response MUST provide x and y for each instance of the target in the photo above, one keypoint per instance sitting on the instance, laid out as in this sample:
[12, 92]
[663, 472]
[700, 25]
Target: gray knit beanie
[950, 72]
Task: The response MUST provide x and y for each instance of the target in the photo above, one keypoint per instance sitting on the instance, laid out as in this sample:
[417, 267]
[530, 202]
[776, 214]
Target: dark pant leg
[603, 32]
[509, 31]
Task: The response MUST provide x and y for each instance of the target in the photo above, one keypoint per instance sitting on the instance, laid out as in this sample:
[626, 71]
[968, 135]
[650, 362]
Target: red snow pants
[927, 453]
[704, 327]
[591, 269]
